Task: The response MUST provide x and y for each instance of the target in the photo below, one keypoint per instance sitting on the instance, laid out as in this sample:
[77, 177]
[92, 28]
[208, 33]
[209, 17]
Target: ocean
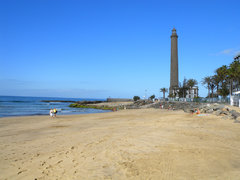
[29, 106]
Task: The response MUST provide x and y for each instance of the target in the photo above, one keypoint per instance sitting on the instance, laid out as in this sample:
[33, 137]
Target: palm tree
[182, 88]
[164, 90]
[234, 74]
[185, 87]
[226, 77]
[212, 84]
[206, 81]
[191, 83]
[224, 91]
[216, 81]
[222, 73]
[222, 76]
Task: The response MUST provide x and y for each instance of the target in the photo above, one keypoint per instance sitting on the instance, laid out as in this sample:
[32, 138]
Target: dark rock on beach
[235, 114]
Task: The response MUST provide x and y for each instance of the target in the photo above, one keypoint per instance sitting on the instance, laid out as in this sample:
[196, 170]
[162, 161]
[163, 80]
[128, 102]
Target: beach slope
[129, 144]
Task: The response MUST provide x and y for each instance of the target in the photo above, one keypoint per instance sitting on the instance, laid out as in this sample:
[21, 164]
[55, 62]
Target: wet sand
[129, 144]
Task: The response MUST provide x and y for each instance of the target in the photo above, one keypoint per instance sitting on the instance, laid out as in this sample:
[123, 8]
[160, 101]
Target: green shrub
[152, 97]
[135, 98]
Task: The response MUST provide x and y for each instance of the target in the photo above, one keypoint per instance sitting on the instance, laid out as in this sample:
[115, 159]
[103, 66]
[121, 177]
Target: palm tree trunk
[231, 81]
[208, 92]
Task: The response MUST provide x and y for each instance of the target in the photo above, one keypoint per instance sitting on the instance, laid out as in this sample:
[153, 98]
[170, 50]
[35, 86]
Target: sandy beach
[128, 144]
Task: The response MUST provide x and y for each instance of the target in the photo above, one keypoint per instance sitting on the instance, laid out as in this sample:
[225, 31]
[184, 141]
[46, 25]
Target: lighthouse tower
[174, 62]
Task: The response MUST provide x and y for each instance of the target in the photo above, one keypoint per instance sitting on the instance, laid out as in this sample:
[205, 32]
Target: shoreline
[105, 111]
[47, 115]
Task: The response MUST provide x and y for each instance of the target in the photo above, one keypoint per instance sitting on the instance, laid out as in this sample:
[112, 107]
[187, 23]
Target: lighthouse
[174, 62]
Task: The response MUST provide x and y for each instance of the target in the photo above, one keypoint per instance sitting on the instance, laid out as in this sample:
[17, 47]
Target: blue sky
[117, 48]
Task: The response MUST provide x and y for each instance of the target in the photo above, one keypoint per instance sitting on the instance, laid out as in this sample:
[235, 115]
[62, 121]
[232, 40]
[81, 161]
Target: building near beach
[193, 93]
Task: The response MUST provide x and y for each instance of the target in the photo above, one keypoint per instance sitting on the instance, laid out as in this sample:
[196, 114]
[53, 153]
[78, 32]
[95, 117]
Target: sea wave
[19, 101]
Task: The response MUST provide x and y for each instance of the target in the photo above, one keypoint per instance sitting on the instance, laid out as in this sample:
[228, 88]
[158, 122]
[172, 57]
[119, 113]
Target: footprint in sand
[48, 167]
[45, 172]
[37, 155]
[21, 171]
[75, 165]
[59, 161]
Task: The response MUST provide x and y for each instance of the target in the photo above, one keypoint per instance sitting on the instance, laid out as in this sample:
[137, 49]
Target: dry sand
[129, 144]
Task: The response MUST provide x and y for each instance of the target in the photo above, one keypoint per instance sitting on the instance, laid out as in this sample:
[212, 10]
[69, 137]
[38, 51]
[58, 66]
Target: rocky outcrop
[190, 107]
[89, 102]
